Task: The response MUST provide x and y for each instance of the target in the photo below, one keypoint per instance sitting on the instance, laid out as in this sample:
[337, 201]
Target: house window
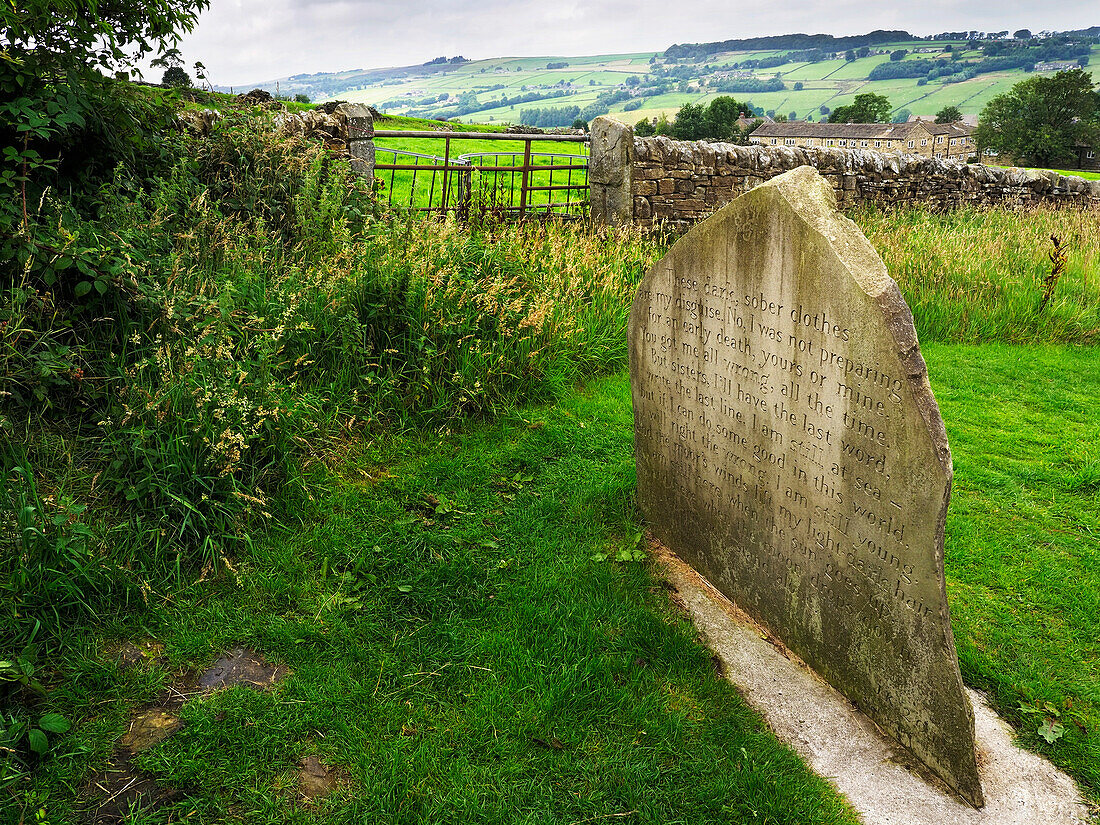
[809, 141]
[952, 141]
[939, 139]
[829, 142]
[843, 142]
[912, 143]
[1090, 154]
[773, 141]
[923, 142]
[878, 143]
[789, 141]
[863, 143]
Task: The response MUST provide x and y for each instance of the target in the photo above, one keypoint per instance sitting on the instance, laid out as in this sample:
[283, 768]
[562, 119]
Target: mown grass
[1023, 537]
[1080, 173]
[975, 275]
[458, 646]
[443, 614]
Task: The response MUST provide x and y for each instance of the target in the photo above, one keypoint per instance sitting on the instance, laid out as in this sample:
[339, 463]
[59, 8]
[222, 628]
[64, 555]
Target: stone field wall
[658, 179]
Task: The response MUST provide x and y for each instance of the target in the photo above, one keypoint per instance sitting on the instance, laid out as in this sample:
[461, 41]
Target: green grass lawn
[404, 189]
[1080, 173]
[447, 609]
[1023, 537]
[458, 644]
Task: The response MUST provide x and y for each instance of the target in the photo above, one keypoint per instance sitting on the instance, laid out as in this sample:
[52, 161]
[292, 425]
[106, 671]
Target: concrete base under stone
[844, 746]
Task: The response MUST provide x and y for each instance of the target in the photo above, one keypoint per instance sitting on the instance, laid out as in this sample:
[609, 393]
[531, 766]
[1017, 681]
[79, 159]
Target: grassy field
[829, 83]
[313, 428]
[976, 275]
[1080, 173]
[1023, 543]
[456, 648]
[420, 190]
[462, 643]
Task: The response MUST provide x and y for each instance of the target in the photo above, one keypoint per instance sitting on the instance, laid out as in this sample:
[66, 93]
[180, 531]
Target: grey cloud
[246, 41]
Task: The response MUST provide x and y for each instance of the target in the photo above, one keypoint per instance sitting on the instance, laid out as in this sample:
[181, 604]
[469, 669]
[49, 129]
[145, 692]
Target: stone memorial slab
[789, 448]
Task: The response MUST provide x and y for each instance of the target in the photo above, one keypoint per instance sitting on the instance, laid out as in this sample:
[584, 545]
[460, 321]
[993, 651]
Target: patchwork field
[649, 85]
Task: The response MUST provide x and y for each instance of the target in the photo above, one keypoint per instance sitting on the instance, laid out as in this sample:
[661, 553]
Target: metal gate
[506, 183]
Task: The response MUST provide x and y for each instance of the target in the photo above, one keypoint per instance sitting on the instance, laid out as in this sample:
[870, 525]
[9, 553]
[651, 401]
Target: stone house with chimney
[923, 138]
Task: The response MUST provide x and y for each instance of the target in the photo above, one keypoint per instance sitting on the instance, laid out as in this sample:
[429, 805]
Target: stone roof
[878, 131]
[798, 128]
[951, 129]
[968, 123]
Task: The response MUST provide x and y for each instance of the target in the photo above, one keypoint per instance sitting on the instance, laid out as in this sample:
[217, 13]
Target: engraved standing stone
[789, 447]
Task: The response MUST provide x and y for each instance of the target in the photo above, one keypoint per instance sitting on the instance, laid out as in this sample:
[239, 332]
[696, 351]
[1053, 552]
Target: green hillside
[804, 84]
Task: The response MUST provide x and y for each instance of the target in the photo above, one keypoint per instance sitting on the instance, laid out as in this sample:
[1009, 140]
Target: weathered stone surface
[789, 447]
[360, 136]
[360, 120]
[151, 727]
[609, 171]
[242, 667]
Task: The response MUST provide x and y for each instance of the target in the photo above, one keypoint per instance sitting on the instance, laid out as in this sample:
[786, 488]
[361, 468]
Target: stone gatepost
[360, 138]
[609, 171]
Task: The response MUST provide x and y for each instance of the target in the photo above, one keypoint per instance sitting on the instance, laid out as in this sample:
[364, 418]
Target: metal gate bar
[457, 172]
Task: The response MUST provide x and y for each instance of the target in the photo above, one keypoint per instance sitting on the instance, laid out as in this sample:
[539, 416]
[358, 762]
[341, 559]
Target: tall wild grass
[251, 308]
[173, 356]
[976, 275]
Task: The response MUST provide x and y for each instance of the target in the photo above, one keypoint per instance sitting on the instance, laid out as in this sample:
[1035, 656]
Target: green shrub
[172, 360]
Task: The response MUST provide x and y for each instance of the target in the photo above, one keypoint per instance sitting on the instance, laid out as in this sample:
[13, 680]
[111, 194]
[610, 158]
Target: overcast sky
[248, 41]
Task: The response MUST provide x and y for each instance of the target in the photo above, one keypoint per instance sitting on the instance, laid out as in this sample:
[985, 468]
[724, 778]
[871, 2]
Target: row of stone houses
[920, 137]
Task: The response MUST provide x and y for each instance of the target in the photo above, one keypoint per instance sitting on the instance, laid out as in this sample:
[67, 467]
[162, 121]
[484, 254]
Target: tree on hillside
[901, 116]
[721, 117]
[866, 108]
[850, 55]
[898, 54]
[690, 123]
[176, 77]
[1042, 121]
[1022, 34]
[949, 114]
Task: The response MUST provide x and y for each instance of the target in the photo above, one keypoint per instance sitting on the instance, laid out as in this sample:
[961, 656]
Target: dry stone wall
[683, 182]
